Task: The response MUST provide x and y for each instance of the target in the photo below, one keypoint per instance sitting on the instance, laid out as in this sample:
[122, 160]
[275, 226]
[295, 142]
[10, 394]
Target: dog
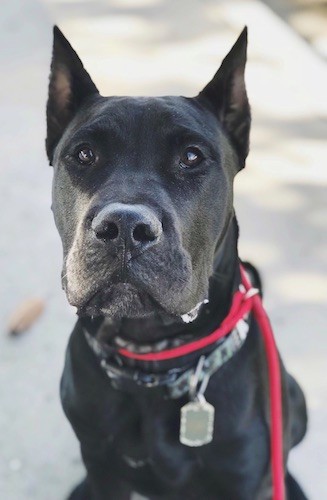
[143, 202]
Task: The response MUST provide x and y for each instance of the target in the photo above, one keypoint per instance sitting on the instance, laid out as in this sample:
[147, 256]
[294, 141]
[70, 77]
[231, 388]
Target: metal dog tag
[197, 420]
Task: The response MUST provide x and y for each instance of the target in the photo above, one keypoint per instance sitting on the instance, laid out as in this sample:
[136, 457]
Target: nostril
[112, 231]
[109, 232]
[143, 233]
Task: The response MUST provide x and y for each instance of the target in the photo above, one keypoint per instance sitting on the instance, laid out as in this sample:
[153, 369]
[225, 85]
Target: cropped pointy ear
[227, 97]
[69, 86]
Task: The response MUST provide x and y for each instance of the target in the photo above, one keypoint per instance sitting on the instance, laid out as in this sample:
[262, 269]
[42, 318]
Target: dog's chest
[149, 442]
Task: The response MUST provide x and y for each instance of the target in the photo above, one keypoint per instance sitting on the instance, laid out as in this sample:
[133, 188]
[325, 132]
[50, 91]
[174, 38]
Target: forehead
[152, 115]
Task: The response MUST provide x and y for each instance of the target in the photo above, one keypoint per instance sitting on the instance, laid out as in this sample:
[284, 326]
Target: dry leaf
[25, 315]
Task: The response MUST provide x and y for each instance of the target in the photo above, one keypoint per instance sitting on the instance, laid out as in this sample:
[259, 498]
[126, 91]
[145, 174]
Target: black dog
[143, 202]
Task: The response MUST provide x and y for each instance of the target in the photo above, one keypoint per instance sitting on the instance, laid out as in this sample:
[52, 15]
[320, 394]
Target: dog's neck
[223, 281]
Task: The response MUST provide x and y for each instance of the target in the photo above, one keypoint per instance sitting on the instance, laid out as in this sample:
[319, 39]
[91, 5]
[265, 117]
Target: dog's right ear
[69, 86]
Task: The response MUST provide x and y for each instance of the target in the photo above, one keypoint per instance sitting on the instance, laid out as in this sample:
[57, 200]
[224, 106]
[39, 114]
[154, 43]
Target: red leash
[276, 415]
[243, 302]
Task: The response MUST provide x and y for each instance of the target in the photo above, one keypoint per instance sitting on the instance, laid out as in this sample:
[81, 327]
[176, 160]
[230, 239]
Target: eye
[191, 157]
[86, 156]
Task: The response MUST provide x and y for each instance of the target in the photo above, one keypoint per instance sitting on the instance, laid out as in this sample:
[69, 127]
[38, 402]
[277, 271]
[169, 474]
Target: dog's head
[142, 190]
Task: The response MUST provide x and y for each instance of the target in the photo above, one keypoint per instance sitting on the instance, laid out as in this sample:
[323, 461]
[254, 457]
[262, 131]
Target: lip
[118, 296]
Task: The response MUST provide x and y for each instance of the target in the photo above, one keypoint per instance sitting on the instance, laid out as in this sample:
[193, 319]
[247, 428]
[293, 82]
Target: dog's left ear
[69, 86]
[227, 97]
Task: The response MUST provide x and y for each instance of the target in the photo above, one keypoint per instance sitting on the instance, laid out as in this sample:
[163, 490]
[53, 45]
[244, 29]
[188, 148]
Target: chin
[121, 300]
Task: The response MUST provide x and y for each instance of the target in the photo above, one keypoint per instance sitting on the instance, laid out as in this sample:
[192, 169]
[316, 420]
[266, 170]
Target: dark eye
[191, 157]
[86, 156]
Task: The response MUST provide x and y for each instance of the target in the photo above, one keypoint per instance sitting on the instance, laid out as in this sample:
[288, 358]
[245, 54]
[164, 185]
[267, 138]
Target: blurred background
[162, 47]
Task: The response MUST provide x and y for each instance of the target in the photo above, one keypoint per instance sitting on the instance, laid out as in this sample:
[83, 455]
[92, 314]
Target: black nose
[129, 225]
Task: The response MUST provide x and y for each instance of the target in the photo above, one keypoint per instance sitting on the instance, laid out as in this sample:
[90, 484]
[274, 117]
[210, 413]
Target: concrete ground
[159, 47]
[308, 18]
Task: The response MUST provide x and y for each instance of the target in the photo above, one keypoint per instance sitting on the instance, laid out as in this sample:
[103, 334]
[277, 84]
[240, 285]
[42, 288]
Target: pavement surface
[159, 47]
[308, 18]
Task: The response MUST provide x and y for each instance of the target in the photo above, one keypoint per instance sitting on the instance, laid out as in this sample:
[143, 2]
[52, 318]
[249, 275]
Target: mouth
[123, 299]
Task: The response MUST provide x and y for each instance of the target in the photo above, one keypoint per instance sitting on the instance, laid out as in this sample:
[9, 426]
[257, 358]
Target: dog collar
[178, 381]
